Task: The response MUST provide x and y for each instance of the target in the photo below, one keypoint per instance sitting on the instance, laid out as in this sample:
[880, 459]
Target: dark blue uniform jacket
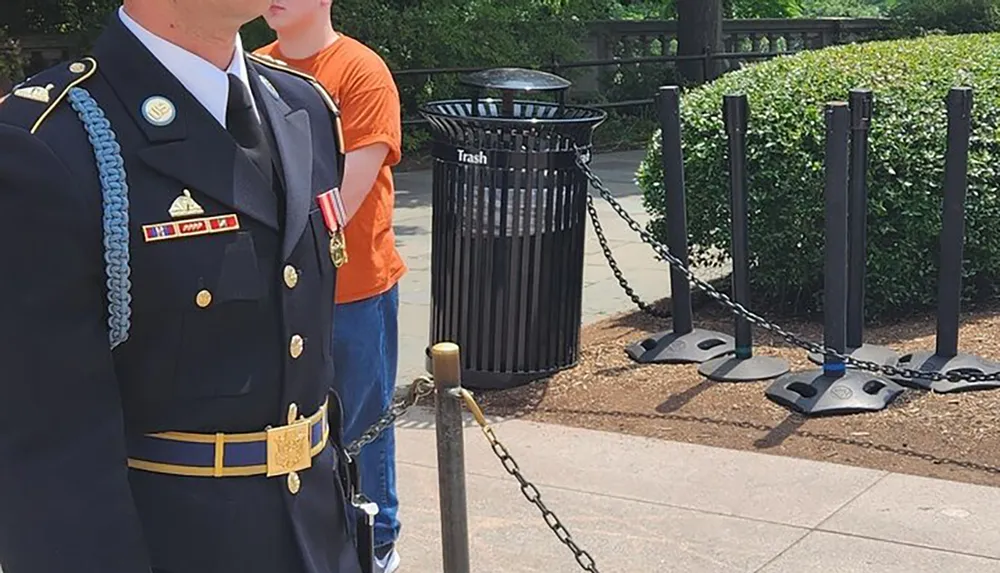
[227, 329]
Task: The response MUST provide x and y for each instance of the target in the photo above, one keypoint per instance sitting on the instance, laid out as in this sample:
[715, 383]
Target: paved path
[645, 505]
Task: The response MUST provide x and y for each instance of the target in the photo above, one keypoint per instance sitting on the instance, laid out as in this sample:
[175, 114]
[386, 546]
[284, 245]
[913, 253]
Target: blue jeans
[365, 351]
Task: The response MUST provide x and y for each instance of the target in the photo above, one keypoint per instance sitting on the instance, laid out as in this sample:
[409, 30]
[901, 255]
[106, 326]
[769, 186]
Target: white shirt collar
[207, 83]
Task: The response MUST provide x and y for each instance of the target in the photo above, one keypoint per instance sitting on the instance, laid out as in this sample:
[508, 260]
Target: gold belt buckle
[289, 448]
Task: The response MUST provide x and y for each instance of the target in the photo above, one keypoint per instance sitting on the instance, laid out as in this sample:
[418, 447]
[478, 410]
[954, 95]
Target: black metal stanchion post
[946, 358]
[744, 366]
[857, 241]
[683, 344]
[834, 389]
[451, 458]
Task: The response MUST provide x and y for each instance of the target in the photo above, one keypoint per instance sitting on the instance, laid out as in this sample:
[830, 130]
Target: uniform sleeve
[370, 110]
[65, 502]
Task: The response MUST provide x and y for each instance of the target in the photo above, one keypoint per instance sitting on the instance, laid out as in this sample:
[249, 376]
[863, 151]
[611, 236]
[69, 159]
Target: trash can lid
[516, 79]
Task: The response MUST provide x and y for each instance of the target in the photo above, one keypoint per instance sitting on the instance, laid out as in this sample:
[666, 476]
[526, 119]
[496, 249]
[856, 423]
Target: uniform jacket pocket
[206, 295]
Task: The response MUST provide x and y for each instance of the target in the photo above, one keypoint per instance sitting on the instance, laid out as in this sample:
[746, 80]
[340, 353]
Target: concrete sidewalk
[639, 504]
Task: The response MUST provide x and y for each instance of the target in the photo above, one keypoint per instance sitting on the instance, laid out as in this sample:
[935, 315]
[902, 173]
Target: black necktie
[246, 129]
[241, 121]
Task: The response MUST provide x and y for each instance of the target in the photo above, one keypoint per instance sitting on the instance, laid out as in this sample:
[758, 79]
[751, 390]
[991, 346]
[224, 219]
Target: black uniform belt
[276, 451]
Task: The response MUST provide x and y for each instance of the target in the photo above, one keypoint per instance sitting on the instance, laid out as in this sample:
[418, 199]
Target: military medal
[334, 215]
[338, 249]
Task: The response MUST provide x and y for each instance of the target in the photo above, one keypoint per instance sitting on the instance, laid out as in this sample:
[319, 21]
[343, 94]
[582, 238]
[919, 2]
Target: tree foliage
[10, 62]
[667, 9]
[78, 19]
[951, 16]
[845, 8]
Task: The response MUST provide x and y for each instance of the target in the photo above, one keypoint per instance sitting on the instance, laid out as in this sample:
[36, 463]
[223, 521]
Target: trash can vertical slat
[534, 362]
[561, 309]
[523, 310]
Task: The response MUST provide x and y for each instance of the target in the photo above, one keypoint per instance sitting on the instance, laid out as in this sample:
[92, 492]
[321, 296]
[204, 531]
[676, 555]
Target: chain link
[528, 489]
[599, 231]
[424, 386]
[737, 308]
[421, 388]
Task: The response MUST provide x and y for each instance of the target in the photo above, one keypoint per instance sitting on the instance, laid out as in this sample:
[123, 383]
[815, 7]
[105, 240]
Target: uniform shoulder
[32, 102]
[283, 68]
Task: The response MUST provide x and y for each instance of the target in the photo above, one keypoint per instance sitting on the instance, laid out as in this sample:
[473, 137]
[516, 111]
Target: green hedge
[911, 79]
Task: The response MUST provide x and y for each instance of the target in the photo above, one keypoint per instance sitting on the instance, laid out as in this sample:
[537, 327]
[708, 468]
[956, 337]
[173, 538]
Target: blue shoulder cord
[114, 188]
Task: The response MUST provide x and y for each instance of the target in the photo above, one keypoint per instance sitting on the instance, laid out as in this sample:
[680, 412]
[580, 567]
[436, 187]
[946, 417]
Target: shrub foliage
[910, 80]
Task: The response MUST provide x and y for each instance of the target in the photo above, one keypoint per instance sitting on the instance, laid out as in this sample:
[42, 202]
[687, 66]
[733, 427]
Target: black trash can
[508, 227]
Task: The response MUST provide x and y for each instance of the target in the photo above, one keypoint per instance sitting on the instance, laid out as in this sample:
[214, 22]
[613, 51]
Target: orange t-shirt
[360, 82]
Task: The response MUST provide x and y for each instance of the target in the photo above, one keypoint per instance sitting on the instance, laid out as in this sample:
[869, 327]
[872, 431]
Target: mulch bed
[948, 436]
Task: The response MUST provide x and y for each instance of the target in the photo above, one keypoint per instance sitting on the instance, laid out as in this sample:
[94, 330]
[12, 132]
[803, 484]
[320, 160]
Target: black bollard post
[953, 222]
[834, 389]
[857, 242]
[744, 366]
[684, 343]
[835, 271]
[857, 217]
[946, 358]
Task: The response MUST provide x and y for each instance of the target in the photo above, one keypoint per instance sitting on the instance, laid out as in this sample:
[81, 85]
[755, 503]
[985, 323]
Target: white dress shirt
[207, 83]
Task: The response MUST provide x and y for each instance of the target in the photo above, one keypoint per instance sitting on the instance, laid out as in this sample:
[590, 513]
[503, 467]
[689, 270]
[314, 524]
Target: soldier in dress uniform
[167, 209]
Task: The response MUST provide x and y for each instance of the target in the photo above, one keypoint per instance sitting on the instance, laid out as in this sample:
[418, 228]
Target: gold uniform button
[297, 346]
[291, 276]
[203, 299]
[294, 483]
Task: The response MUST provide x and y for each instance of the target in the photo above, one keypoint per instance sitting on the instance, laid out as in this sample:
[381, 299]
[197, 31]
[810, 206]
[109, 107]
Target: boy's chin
[274, 23]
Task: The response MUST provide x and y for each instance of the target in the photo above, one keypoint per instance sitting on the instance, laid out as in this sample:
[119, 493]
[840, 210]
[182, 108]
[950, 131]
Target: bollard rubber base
[882, 355]
[814, 393]
[930, 362]
[753, 369]
[696, 346]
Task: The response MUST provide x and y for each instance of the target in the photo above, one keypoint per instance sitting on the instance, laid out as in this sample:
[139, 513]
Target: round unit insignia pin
[77, 68]
[159, 111]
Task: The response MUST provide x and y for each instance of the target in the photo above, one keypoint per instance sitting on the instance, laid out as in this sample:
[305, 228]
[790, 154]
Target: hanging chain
[420, 388]
[424, 386]
[528, 489]
[599, 231]
[737, 308]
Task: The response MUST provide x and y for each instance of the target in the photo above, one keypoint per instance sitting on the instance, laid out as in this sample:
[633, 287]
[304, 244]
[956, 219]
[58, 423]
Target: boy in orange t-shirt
[365, 338]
